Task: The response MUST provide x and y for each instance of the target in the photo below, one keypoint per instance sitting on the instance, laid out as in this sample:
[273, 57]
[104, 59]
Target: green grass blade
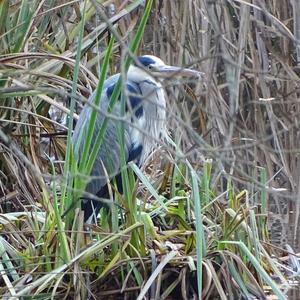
[147, 184]
[69, 161]
[97, 100]
[23, 24]
[64, 251]
[200, 238]
[205, 181]
[239, 280]
[4, 5]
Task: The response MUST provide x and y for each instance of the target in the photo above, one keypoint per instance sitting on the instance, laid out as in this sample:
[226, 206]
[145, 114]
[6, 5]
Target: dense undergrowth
[194, 223]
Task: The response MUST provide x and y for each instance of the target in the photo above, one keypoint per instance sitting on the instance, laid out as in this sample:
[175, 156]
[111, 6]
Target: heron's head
[148, 67]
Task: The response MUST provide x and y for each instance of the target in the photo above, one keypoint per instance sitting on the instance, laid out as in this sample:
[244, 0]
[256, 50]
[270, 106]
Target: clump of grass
[231, 256]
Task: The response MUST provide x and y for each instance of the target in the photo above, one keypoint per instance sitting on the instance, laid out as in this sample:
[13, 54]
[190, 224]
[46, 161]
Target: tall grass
[195, 222]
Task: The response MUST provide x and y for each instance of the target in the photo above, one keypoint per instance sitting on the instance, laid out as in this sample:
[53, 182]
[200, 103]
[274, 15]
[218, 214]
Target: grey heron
[145, 112]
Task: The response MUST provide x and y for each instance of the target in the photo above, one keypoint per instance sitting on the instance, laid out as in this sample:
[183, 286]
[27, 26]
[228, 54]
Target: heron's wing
[108, 158]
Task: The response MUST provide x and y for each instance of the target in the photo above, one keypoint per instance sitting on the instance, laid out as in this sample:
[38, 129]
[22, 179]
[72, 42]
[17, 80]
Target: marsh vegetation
[211, 212]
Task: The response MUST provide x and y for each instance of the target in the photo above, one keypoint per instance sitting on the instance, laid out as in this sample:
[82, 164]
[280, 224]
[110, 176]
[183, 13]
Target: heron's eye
[150, 67]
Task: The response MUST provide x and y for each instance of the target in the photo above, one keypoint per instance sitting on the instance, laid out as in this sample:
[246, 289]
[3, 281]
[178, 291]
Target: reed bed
[211, 212]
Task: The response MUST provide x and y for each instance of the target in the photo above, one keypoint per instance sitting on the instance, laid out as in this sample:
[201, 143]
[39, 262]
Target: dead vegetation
[235, 151]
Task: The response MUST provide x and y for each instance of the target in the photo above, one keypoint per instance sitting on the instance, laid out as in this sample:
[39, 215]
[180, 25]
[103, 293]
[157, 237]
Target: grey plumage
[145, 110]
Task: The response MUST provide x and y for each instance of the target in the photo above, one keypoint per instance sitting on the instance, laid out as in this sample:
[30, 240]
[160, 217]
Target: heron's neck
[154, 105]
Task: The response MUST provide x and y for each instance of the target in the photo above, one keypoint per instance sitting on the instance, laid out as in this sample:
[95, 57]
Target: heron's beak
[171, 71]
